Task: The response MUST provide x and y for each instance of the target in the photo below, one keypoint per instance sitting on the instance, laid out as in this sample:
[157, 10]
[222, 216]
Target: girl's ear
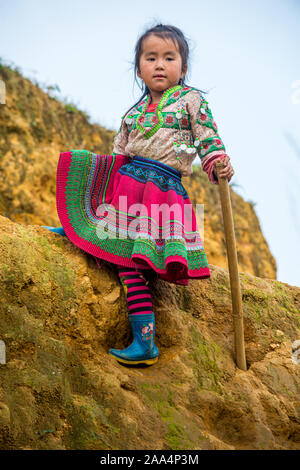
[184, 71]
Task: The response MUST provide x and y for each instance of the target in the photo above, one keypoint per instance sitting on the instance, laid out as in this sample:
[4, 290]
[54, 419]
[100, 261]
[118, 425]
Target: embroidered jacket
[181, 127]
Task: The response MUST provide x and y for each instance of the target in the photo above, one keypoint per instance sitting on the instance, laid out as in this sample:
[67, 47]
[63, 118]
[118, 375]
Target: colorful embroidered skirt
[132, 212]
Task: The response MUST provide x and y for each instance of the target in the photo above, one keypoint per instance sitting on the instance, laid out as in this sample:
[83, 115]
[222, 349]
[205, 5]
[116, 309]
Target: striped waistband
[150, 163]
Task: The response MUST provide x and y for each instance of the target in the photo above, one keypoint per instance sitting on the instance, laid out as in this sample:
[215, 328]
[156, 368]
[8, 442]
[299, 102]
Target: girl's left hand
[227, 171]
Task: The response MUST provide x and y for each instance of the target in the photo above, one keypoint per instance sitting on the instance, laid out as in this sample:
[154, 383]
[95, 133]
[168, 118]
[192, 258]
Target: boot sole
[143, 361]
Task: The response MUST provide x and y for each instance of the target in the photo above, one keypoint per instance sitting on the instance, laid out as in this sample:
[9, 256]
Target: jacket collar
[171, 95]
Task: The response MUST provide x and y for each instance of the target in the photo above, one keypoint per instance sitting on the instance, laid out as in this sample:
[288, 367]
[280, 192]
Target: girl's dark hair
[164, 31]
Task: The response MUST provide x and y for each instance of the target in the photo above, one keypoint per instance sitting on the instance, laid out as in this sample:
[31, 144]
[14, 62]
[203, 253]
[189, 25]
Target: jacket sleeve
[121, 138]
[205, 134]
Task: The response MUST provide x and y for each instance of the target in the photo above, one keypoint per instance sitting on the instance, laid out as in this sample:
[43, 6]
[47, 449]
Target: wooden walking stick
[236, 297]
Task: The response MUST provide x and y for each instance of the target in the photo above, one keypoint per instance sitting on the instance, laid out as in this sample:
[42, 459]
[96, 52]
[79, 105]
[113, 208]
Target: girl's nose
[159, 63]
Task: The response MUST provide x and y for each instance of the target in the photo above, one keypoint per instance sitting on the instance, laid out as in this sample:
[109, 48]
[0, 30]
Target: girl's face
[160, 65]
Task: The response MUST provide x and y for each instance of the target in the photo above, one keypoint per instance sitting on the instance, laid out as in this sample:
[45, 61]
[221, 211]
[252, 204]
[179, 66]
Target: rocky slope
[35, 128]
[59, 315]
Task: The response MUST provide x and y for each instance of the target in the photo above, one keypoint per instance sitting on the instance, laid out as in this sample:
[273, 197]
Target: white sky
[245, 52]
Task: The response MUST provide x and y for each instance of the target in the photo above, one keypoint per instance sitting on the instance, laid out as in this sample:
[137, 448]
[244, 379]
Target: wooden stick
[236, 297]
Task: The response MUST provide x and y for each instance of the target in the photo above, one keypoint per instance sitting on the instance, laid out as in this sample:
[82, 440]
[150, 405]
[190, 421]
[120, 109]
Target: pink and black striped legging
[138, 294]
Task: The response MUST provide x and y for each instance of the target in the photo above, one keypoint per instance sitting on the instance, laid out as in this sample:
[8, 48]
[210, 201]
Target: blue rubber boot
[143, 349]
[59, 230]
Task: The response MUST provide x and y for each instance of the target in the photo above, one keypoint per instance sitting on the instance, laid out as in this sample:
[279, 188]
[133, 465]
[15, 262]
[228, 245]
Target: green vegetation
[205, 355]
[180, 434]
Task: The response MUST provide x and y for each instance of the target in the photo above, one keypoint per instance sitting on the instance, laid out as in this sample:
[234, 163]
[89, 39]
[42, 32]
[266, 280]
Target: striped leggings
[138, 294]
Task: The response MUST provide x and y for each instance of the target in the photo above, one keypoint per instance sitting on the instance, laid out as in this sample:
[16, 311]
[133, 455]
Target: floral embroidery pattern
[147, 331]
[206, 119]
[149, 119]
[210, 145]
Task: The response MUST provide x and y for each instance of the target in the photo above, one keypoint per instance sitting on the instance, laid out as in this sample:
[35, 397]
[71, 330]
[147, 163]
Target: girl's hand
[227, 171]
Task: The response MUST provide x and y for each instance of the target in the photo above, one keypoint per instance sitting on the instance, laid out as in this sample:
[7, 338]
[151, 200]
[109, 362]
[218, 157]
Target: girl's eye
[168, 58]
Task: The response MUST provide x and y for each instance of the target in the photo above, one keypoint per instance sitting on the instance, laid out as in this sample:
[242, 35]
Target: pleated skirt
[130, 211]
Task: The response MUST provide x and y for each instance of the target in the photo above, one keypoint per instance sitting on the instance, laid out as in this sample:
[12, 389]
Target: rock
[60, 314]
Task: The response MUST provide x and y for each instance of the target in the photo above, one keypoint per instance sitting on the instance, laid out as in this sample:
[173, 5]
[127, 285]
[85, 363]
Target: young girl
[130, 208]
